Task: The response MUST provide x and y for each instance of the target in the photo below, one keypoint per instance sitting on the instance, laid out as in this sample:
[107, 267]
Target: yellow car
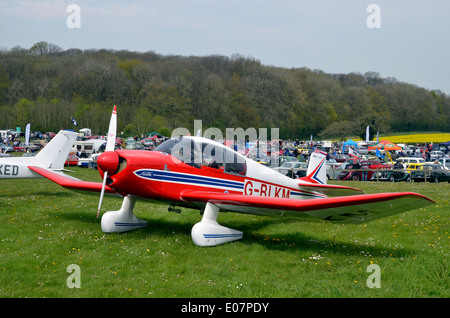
[407, 161]
[414, 166]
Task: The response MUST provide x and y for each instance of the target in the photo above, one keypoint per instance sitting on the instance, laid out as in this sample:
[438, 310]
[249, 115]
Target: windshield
[201, 153]
[167, 145]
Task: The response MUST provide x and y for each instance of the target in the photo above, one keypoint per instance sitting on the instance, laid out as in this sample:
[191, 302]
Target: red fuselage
[158, 175]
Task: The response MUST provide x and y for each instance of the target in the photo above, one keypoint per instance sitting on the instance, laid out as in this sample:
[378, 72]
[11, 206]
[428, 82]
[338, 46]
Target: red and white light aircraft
[51, 157]
[196, 172]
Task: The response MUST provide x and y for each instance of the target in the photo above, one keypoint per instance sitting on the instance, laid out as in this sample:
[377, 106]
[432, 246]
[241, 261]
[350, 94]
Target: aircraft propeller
[109, 159]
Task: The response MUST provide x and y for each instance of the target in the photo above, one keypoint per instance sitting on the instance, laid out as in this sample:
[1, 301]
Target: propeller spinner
[108, 162]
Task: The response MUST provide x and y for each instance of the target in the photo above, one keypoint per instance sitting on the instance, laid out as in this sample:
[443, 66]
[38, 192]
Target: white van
[89, 146]
[409, 160]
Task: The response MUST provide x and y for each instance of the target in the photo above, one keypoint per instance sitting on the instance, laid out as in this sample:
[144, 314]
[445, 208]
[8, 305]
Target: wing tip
[418, 195]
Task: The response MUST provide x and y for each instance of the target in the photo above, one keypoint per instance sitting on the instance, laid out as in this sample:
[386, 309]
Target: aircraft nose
[108, 162]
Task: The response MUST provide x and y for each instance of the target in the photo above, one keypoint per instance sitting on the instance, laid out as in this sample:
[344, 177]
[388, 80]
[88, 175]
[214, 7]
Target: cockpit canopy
[198, 152]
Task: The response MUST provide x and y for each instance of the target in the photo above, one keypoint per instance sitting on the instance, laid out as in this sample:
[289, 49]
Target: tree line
[47, 86]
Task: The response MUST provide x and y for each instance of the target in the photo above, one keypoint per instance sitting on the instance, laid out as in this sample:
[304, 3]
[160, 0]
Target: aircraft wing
[354, 209]
[69, 182]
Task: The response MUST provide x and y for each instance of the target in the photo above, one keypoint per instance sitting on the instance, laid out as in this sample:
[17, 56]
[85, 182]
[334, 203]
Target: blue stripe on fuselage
[168, 176]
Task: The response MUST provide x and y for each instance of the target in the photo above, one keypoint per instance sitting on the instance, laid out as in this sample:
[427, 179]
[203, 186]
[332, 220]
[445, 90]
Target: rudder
[317, 168]
[55, 153]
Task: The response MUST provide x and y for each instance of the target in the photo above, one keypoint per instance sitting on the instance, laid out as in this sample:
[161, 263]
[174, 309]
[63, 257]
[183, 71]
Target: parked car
[356, 174]
[341, 157]
[148, 142]
[5, 148]
[376, 164]
[133, 145]
[391, 176]
[415, 166]
[372, 163]
[333, 170]
[353, 160]
[293, 169]
[283, 159]
[360, 165]
[23, 147]
[72, 160]
[408, 150]
[433, 172]
[409, 160]
[445, 161]
[435, 155]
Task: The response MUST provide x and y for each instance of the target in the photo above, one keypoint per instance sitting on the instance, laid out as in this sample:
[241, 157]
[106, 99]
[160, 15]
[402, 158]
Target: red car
[375, 164]
[361, 164]
[22, 147]
[341, 157]
[72, 160]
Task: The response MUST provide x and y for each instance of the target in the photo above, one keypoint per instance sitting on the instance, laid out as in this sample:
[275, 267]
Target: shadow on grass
[301, 242]
[281, 242]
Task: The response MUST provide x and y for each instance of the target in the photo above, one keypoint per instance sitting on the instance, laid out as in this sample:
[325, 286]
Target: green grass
[45, 228]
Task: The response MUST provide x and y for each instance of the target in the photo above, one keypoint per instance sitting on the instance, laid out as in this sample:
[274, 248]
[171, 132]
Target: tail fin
[55, 153]
[317, 168]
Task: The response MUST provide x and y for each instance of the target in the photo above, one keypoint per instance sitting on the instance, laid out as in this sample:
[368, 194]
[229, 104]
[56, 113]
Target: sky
[405, 39]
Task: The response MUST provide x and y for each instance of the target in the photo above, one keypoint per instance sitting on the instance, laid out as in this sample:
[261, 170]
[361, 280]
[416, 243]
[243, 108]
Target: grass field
[45, 228]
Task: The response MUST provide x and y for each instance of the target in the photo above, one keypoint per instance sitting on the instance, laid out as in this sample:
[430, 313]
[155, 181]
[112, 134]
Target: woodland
[47, 86]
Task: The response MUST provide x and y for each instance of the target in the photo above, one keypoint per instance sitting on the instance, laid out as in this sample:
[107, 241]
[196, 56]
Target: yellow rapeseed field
[417, 138]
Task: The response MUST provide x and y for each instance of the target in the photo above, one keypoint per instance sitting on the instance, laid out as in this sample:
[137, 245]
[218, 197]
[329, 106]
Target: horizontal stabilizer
[329, 189]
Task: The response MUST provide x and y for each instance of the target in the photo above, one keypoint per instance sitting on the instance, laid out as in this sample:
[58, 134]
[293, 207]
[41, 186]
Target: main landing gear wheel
[208, 232]
[122, 220]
